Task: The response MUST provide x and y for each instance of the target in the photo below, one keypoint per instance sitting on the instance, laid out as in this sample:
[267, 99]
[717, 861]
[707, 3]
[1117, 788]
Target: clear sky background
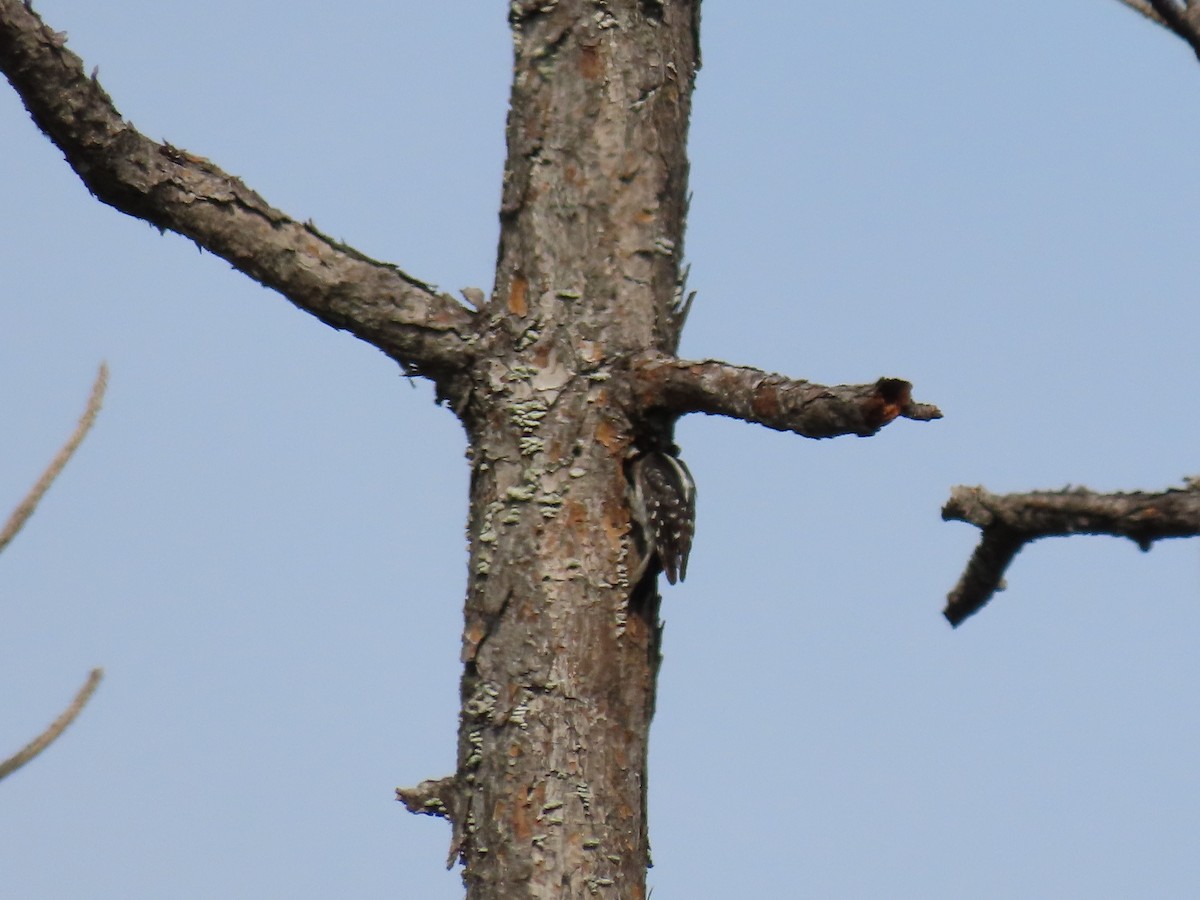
[262, 540]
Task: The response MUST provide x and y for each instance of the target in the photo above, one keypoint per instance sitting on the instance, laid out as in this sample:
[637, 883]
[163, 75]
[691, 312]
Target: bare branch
[1181, 18]
[442, 798]
[423, 330]
[1143, 7]
[26, 507]
[57, 727]
[1010, 521]
[785, 404]
[18, 518]
[432, 797]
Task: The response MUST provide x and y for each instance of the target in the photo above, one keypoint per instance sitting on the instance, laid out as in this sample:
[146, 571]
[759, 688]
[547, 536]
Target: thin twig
[26, 507]
[57, 727]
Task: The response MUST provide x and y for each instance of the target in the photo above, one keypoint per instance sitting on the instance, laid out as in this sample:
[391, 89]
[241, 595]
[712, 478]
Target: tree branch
[407, 319]
[26, 507]
[1010, 521]
[443, 798]
[812, 410]
[1184, 19]
[19, 517]
[1144, 7]
[57, 727]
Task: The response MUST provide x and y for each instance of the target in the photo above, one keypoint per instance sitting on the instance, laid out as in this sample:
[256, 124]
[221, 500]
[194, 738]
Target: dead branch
[1144, 7]
[442, 797]
[1010, 521]
[26, 507]
[57, 727]
[1184, 20]
[424, 330]
[19, 517]
[785, 404]
[1181, 18]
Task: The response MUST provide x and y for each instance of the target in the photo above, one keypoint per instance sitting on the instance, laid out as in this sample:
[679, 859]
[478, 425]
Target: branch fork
[1008, 522]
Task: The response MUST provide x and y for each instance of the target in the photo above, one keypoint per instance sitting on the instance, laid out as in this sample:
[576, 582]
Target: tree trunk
[565, 369]
[560, 665]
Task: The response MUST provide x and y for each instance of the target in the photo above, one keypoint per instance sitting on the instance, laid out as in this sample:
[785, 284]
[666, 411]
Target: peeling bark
[567, 365]
[560, 666]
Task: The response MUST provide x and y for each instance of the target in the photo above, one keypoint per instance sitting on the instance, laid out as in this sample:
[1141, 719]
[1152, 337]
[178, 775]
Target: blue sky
[262, 540]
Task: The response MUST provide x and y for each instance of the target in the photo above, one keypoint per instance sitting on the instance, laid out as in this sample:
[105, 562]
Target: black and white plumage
[662, 497]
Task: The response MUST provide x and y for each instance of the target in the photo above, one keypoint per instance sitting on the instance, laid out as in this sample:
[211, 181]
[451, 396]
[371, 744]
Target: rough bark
[181, 192]
[556, 376]
[784, 404]
[1010, 521]
[559, 680]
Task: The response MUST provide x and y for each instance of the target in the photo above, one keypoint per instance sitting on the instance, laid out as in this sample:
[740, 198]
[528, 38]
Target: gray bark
[1008, 522]
[566, 366]
[559, 680]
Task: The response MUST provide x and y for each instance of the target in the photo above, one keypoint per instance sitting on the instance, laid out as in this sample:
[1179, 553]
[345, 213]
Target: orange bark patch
[589, 350]
[766, 402]
[574, 513]
[526, 811]
[522, 820]
[615, 523]
[591, 64]
[518, 304]
[891, 397]
[606, 434]
[474, 635]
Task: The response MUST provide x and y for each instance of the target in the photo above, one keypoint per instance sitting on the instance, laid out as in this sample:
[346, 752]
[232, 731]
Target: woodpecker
[662, 497]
